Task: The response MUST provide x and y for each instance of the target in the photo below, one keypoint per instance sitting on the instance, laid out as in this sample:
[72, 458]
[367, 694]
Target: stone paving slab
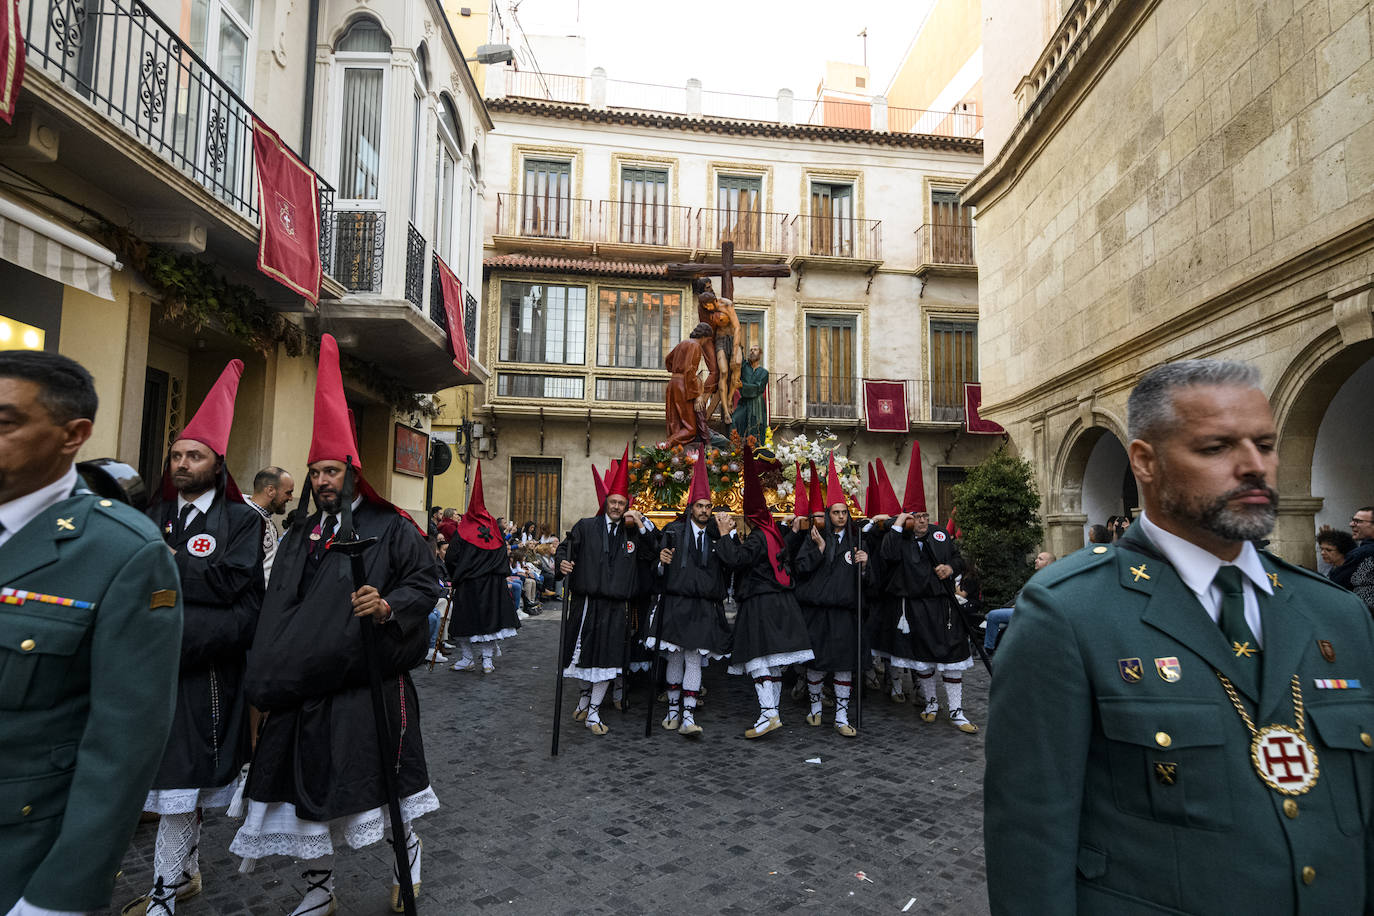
[622, 825]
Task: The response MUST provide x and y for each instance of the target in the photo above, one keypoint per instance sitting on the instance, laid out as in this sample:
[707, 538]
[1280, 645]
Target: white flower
[679, 475]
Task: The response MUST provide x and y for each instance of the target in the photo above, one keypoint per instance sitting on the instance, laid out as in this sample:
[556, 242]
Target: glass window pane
[360, 149]
[543, 323]
[242, 8]
[233, 51]
[365, 35]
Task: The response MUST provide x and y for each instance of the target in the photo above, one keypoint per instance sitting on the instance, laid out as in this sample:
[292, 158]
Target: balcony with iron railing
[753, 231]
[837, 241]
[628, 227]
[945, 249]
[840, 399]
[128, 68]
[547, 221]
[416, 249]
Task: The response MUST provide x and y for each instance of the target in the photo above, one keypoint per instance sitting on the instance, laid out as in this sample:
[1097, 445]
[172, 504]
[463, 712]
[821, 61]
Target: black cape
[937, 632]
[692, 590]
[222, 593]
[768, 622]
[827, 584]
[318, 744]
[481, 602]
[607, 576]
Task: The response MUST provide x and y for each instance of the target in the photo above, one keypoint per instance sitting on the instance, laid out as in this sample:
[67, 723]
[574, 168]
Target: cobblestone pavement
[623, 825]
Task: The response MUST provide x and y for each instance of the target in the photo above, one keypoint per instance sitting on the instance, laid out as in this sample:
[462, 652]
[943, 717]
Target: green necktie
[1239, 637]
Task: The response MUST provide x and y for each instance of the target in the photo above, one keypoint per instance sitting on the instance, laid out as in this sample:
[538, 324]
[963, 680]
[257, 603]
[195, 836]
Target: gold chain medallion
[1283, 757]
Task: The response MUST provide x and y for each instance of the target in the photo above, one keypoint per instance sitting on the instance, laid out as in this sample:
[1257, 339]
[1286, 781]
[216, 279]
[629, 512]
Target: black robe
[692, 590]
[481, 602]
[318, 745]
[607, 576]
[768, 622]
[937, 632]
[222, 594]
[827, 583]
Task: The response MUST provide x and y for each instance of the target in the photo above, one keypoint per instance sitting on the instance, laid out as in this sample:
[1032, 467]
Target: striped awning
[45, 246]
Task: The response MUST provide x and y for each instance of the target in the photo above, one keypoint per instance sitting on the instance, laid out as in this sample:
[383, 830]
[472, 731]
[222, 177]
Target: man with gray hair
[1179, 721]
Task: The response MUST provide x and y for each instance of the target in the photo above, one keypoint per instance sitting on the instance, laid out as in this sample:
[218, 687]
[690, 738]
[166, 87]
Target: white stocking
[842, 688]
[320, 877]
[598, 694]
[926, 680]
[176, 856]
[673, 673]
[954, 691]
[815, 680]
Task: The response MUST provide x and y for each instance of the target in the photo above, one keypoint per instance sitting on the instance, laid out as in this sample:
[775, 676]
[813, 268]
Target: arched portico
[1092, 480]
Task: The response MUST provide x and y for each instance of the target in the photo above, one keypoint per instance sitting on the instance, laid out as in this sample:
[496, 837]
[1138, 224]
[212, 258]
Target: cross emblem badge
[1243, 649]
[65, 524]
[1274, 580]
[1139, 572]
[484, 533]
[1166, 773]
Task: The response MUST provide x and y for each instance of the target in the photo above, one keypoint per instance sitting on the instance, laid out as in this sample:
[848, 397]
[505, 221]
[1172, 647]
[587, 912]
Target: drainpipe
[311, 37]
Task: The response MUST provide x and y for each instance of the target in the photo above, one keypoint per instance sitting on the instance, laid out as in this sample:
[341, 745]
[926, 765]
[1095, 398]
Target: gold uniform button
[28, 645]
[1099, 550]
[1290, 807]
[26, 810]
[1365, 739]
[1163, 739]
[1309, 874]
[105, 504]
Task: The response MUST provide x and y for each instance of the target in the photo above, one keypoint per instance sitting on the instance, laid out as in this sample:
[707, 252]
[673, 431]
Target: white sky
[748, 46]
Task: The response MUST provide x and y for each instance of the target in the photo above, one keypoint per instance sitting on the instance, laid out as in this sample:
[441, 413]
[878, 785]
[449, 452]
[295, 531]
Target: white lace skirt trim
[756, 667]
[591, 674]
[666, 646]
[929, 667]
[507, 633]
[273, 829]
[184, 801]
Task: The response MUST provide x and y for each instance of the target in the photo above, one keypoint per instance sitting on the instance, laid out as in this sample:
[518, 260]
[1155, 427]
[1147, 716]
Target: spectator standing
[273, 488]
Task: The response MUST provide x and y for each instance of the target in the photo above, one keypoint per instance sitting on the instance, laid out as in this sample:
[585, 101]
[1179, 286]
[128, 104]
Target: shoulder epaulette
[1076, 563]
[127, 516]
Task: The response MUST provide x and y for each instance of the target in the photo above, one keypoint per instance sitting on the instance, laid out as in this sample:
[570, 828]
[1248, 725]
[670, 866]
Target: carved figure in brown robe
[684, 420]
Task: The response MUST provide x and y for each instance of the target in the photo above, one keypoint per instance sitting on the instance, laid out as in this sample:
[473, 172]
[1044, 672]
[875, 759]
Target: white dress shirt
[1197, 568]
[17, 513]
[201, 504]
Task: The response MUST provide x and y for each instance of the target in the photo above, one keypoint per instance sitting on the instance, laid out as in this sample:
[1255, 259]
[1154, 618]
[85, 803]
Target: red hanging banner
[288, 215]
[885, 406]
[452, 289]
[11, 58]
[973, 399]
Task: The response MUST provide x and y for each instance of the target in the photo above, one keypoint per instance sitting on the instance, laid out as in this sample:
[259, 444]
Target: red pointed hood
[760, 517]
[215, 418]
[870, 494]
[800, 506]
[333, 438]
[600, 486]
[701, 483]
[888, 503]
[834, 490]
[477, 526]
[914, 498]
[618, 477]
[815, 503]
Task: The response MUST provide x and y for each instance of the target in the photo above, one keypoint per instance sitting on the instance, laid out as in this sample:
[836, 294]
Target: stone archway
[1326, 465]
[1092, 480]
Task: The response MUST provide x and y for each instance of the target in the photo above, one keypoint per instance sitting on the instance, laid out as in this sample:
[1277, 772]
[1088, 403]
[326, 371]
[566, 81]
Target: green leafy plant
[998, 510]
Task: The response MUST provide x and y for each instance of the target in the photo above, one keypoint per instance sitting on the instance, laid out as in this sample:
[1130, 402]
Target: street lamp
[492, 54]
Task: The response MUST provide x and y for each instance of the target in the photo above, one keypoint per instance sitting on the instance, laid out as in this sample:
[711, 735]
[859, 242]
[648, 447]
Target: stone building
[1173, 179]
[595, 185]
[134, 128]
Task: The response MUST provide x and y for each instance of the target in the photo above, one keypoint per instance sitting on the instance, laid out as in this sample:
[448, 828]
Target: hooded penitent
[211, 426]
[477, 526]
[834, 490]
[600, 485]
[618, 478]
[760, 517]
[888, 503]
[801, 507]
[815, 502]
[701, 484]
[870, 494]
[914, 498]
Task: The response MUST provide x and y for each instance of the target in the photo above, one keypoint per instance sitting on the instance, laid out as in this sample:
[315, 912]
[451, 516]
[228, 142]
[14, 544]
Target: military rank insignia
[1168, 669]
[163, 597]
[1131, 670]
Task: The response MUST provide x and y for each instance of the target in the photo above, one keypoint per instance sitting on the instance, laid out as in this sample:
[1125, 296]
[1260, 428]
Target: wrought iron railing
[544, 216]
[829, 397]
[750, 230]
[470, 321]
[360, 239]
[437, 313]
[838, 237]
[415, 268]
[950, 245]
[127, 64]
[643, 223]
[326, 227]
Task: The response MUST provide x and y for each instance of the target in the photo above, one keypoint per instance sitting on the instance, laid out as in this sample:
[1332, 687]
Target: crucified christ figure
[723, 369]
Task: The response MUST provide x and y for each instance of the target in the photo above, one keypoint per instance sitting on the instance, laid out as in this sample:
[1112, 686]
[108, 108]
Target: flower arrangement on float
[801, 451]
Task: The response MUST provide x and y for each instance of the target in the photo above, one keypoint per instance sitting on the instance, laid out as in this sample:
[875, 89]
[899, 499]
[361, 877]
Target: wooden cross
[727, 270]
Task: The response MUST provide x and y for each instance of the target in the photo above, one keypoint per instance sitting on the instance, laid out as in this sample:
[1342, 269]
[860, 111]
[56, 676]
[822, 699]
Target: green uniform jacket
[86, 697]
[1080, 818]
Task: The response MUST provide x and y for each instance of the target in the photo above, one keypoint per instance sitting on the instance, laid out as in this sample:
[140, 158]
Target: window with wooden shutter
[546, 206]
[831, 382]
[832, 220]
[953, 361]
[644, 206]
[951, 229]
[738, 212]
